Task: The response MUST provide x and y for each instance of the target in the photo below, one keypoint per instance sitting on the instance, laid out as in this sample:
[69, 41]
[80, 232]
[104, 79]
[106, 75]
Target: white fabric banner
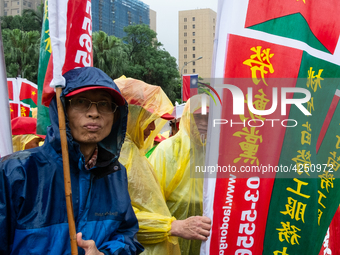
[6, 146]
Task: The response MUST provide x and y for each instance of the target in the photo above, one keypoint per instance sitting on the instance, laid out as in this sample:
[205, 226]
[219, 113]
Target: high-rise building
[153, 18]
[196, 39]
[111, 16]
[15, 7]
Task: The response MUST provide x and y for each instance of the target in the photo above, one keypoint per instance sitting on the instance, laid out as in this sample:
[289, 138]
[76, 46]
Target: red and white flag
[70, 27]
[23, 96]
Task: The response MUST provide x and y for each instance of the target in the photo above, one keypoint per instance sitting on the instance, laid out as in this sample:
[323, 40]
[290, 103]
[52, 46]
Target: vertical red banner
[254, 144]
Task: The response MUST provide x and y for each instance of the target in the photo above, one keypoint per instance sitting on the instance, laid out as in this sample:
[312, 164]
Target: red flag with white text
[70, 27]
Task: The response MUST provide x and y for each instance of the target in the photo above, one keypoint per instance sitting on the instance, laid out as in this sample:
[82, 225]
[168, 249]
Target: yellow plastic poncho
[20, 141]
[146, 104]
[172, 160]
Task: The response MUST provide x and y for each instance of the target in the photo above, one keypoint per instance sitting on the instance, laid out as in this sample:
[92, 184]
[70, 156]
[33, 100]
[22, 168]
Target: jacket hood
[76, 79]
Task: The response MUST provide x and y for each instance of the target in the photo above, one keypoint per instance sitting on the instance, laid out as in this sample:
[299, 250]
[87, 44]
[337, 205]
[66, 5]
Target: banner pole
[67, 177]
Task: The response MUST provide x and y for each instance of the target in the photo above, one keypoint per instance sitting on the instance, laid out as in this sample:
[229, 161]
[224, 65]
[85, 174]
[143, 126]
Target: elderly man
[33, 218]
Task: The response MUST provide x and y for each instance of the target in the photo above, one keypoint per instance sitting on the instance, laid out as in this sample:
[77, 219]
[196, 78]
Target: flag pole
[67, 177]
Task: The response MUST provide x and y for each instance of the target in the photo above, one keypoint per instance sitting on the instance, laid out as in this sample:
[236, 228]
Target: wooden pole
[67, 177]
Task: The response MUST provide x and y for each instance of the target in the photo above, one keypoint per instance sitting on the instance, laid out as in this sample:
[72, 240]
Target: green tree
[21, 51]
[36, 17]
[150, 62]
[109, 54]
[30, 20]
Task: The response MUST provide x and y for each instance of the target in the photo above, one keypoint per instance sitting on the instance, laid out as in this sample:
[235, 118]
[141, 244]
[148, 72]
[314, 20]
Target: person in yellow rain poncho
[173, 161]
[149, 109]
[24, 135]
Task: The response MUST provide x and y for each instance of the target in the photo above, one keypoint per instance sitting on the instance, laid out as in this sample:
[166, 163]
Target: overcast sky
[167, 19]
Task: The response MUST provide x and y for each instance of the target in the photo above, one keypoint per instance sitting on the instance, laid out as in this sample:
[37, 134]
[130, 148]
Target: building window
[193, 48]
[193, 18]
[193, 40]
[193, 26]
[193, 63]
[5, 4]
[18, 3]
[185, 41]
[193, 55]
[193, 33]
[5, 13]
[185, 34]
[193, 70]
[129, 17]
[185, 63]
[17, 11]
[185, 48]
[29, 4]
[185, 56]
[185, 19]
[185, 26]
[185, 70]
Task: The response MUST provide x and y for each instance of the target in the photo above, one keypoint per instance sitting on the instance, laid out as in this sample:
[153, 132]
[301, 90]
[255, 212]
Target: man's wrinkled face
[90, 126]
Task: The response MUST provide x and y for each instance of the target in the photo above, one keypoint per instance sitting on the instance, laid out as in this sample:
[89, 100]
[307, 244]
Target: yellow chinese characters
[48, 39]
[23, 112]
[333, 162]
[250, 146]
[288, 233]
[251, 135]
[314, 81]
[284, 252]
[306, 136]
[337, 146]
[327, 179]
[294, 208]
[260, 62]
[303, 161]
[48, 42]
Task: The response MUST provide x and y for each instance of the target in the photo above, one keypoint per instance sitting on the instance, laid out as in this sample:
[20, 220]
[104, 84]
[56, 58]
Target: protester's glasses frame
[84, 104]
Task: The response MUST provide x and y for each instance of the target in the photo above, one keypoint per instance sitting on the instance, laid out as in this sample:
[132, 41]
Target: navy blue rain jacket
[33, 218]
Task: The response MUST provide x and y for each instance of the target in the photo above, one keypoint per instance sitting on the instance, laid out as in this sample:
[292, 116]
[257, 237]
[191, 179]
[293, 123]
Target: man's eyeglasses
[83, 105]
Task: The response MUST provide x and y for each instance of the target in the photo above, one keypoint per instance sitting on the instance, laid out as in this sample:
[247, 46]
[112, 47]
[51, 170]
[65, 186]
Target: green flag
[45, 53]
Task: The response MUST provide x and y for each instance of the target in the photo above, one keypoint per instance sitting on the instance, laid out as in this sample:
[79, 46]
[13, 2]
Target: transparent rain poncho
[146, 104]
[173, 159]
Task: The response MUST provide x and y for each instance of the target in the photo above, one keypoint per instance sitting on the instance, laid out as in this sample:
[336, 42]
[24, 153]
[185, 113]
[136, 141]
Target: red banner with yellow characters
[274, 149]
